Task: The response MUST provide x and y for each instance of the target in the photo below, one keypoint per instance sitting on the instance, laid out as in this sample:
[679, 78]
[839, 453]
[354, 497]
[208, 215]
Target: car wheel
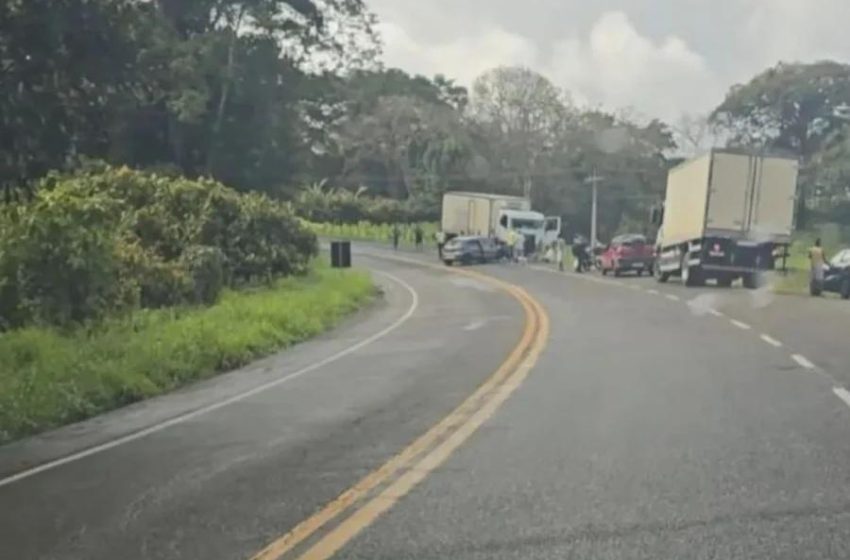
[448, 262]
[845, 289]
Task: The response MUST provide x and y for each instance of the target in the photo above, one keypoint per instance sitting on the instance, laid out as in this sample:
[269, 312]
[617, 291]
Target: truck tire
[661, 276]
[752, 281]
[690, 274]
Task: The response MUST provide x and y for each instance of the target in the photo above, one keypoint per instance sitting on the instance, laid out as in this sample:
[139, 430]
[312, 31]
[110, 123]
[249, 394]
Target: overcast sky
[658, 57]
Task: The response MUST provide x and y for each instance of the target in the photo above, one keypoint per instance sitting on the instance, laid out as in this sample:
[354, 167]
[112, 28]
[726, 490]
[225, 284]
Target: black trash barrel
[341, 254]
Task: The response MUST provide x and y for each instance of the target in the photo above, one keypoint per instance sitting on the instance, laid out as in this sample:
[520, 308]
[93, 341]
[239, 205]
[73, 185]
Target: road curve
[656, 423]
[649, 429]
[226, 480]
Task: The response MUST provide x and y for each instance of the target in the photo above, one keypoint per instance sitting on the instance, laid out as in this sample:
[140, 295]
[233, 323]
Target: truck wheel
[661, 276]
[690, 274]
[845, 289]
[752, 281]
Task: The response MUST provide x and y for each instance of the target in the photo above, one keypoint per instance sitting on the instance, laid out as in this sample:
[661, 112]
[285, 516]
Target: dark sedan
[469, 250]
[836, 278]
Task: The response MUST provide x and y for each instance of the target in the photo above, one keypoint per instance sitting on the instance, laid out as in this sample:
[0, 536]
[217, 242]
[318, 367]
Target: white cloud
[463, 58]
[616, 66]
[796, 30]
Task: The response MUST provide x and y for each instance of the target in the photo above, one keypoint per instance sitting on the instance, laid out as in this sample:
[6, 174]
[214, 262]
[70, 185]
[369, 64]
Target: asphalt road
[658, 422]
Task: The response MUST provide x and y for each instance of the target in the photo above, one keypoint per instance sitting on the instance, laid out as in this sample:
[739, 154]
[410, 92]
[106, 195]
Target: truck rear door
[731, 179]
[773, 200]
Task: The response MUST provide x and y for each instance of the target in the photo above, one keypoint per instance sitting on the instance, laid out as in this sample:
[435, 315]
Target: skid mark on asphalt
[414, 305]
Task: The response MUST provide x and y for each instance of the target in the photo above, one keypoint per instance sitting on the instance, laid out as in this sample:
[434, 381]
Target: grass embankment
[49, 378]
[379, 233]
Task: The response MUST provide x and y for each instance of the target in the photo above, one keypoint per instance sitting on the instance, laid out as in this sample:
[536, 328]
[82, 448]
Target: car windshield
[841, 259]
[370, 279]
[630, 240]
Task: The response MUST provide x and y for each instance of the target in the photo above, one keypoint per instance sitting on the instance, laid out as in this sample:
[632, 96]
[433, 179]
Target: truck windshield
[521, 223]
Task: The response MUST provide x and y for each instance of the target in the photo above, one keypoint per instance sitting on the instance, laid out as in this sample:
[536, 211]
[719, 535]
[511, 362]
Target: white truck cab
[528, 224]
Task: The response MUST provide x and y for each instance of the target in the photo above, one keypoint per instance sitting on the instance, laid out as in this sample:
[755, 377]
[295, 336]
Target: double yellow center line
[381, 489]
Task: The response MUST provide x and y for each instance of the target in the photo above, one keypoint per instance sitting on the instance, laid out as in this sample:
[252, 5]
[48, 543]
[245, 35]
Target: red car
[627, 253]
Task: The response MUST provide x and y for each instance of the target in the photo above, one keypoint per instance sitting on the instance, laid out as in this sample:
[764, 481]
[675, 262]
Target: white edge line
[803, 361]
[673, 297]
[842, 394]
[716, 313]
[654, 292]
[740, 324]
[772, 341]
[414, 304]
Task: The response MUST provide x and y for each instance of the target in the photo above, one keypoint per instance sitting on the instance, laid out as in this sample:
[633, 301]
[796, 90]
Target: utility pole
[594, 181]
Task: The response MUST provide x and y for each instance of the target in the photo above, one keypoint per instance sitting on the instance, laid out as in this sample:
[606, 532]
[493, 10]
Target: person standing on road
[817, 258]
[559, 254]
[396, 236]
[418, 236]
[519, 246]
[441, 242]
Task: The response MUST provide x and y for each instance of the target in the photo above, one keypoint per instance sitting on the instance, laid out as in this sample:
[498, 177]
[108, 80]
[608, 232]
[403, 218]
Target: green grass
[381, 233]
[49, 378]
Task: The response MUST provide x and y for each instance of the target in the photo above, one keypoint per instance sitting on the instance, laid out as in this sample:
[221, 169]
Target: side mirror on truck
[656, 215]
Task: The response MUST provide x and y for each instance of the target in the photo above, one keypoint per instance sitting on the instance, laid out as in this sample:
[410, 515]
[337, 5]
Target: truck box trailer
[727, 215]
[477, 213]
[493, 215]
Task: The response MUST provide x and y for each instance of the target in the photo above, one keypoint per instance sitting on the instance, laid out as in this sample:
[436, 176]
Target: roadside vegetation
[50, 377]
[379, 233]
[116, 285]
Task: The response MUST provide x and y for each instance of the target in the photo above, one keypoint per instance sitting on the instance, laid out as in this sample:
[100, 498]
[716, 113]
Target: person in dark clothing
[418, 236]
[396, 236]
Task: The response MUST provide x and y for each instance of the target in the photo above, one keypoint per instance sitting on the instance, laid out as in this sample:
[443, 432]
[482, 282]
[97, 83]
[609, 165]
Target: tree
[57, 82]
[413, 144]
[791, 107]
[209, 87]
[522, 113]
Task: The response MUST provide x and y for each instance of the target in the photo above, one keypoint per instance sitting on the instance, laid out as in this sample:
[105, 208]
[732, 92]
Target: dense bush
[105, 240]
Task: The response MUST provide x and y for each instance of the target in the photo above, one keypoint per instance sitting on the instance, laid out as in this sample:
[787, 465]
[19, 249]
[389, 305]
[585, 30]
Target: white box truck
[493, 215]
[726, 215]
